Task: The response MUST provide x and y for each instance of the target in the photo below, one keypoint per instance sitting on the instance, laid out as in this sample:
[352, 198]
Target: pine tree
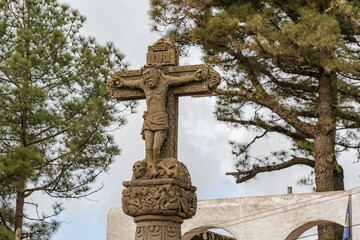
[291, 68]
[55, 112]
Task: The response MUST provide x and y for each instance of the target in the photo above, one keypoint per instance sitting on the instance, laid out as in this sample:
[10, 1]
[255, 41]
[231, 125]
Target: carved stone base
[159, 202]
[168, 193]
[165, 197]
[152, 227]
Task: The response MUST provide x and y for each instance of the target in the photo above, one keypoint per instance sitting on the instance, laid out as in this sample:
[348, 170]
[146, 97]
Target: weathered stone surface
[155, 197]
[168, 193]
[166, 168]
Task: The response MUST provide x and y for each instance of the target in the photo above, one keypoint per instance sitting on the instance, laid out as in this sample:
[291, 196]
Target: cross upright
[161, 82]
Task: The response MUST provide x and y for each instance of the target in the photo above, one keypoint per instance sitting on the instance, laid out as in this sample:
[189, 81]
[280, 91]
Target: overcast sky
[203, 142]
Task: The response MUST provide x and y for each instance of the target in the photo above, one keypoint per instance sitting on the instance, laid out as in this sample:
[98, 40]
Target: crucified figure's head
[151, 75]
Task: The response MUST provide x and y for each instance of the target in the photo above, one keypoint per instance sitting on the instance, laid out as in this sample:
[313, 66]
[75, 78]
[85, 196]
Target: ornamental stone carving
[156, 198]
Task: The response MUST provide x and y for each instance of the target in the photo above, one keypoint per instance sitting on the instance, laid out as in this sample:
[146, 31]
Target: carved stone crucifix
[160, 195]
[161, 81]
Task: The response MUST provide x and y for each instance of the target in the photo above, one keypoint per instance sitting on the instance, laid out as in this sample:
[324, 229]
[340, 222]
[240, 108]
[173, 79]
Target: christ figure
[155, 85]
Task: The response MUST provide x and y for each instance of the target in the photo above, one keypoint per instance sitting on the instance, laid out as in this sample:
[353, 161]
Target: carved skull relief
[139, 169]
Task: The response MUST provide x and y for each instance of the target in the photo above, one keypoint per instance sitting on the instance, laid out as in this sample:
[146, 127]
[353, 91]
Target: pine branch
[6, 144]
[267, 127]
[76, 196]
[293, 86]
[307, 114]
[261, 97]
[47, 137]
[4, 223]
[268, 101]
[292, 14]
[348, 17]
[6, 108]
[350, 92]
[57, 179]
[39, 218]
[350, 116]
[81, 147]
[292, 70]
[246, 175]
[348, 146]
[54, 182]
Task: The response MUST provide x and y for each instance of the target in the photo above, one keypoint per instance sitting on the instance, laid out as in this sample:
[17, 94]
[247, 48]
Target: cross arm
[199, 75]
[131, 83]
[118, 81]
[126, 85]
[208, 77]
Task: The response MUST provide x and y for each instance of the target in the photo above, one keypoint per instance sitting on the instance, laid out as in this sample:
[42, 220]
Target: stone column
[158, 227]
[159, 205]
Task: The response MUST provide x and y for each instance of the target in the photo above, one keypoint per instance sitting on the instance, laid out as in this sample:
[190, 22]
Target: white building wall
[265, 217]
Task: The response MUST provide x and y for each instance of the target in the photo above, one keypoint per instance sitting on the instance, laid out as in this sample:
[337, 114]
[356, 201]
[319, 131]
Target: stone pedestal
[160, 203]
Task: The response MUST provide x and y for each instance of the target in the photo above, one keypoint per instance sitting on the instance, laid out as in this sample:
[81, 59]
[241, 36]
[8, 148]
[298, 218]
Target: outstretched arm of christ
[119, 82]
[199, 75]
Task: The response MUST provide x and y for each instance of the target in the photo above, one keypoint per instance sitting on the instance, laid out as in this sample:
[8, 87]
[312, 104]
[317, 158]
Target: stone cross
[191, 80]
[160, 195]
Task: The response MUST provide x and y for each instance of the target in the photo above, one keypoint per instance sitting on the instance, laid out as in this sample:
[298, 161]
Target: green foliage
[7, 214]
[291, 68]
[55, 111]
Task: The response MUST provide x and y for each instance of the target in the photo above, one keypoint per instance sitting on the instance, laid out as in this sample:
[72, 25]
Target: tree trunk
[329, 175]
[20, 199]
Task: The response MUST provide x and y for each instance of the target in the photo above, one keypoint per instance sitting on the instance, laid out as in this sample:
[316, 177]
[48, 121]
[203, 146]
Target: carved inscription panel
[162, 58]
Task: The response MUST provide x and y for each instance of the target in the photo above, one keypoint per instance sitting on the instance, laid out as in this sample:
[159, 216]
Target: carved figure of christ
[155, 85]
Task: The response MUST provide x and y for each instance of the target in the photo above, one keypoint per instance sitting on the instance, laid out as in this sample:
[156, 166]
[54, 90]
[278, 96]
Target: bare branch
[246, 175]
[250, 143]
